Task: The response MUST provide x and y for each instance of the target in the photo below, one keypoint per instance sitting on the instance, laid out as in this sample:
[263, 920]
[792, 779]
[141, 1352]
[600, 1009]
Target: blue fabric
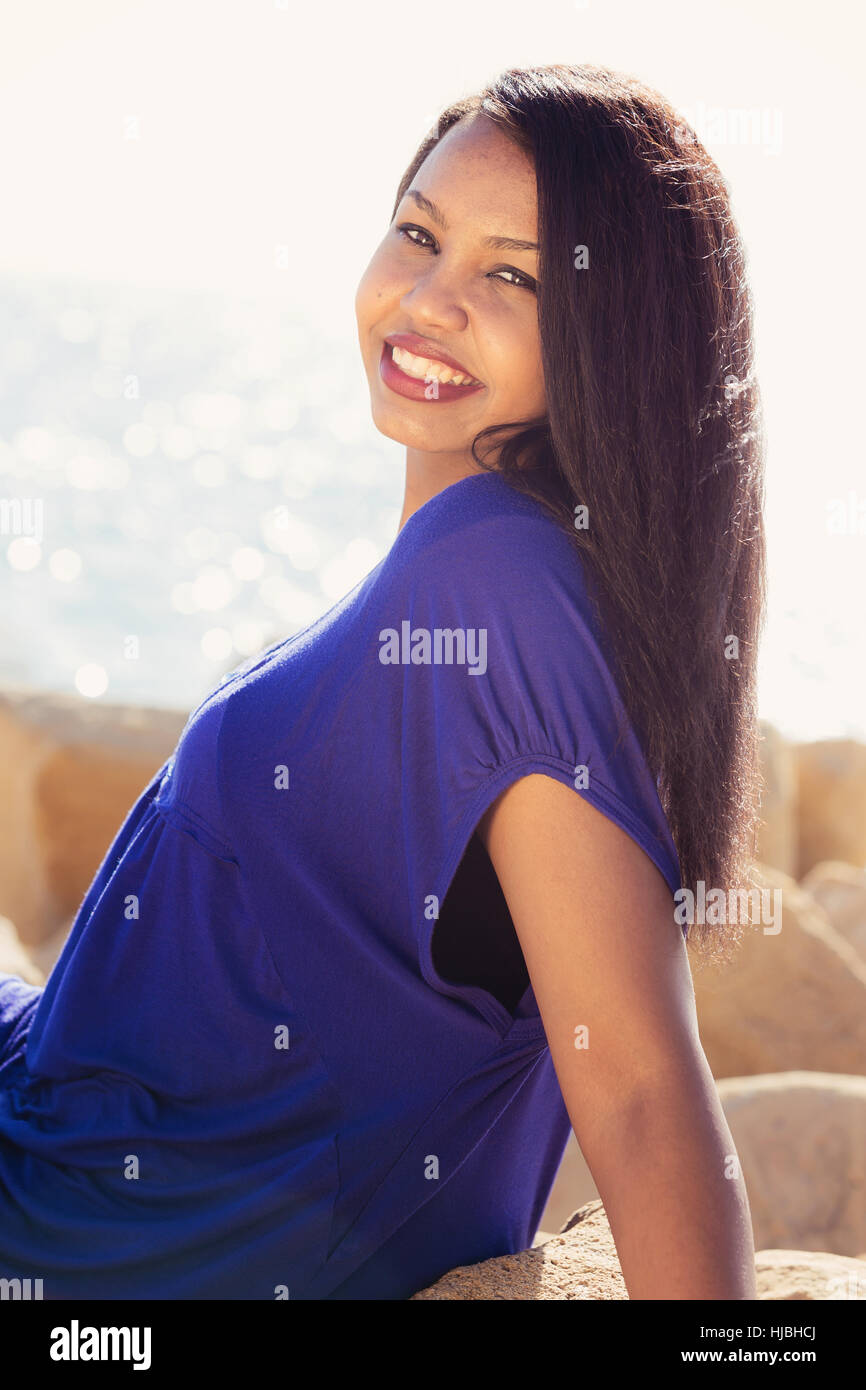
[280, 872]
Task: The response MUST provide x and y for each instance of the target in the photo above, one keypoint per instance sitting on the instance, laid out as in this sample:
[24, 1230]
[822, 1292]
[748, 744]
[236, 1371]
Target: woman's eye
[406, 227]
[522, 281]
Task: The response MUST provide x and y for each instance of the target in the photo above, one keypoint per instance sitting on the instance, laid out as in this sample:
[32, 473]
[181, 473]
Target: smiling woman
[439, 288]
[384, 928]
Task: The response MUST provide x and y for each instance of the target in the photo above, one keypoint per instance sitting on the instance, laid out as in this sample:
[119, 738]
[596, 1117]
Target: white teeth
[428, 369]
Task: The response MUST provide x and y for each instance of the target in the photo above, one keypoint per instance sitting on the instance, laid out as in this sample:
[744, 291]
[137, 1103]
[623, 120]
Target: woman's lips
[416, 389]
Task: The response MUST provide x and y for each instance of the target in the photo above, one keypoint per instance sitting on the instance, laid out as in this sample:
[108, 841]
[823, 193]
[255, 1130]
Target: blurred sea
[197, 475]
[207, 478]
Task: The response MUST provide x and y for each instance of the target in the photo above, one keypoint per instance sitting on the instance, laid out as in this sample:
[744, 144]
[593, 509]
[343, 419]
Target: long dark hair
[654, 425]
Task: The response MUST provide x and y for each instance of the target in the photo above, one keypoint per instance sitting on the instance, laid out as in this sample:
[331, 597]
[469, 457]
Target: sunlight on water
[175, 458]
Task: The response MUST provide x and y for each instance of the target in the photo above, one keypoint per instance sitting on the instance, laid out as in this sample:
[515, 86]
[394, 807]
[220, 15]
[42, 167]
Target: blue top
[244, 1077]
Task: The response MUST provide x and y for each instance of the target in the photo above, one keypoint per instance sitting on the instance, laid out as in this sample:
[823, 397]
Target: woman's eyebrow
[498, 243]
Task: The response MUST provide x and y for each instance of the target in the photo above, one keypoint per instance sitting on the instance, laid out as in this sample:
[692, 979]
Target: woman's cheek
[373, 289]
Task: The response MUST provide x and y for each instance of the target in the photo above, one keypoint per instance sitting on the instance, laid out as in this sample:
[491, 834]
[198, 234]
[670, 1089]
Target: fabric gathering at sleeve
[503, 675]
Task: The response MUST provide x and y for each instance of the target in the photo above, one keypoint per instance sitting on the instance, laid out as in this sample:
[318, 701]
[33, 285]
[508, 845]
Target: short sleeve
[503, 675]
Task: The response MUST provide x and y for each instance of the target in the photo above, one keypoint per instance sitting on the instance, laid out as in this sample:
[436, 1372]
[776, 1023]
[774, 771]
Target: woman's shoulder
[479, 555]
[486, 532]
[476, 499]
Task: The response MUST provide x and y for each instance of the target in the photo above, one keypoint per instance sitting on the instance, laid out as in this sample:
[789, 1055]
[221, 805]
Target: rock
[791, 1274]
[70, 770]
[831, 803]
[778, 829]
[581, 1263]
[801, 1140]
[542, 1236]
[790, 1001]
[572, 1188]
[840, 889]
[44, 954]
[14, 960]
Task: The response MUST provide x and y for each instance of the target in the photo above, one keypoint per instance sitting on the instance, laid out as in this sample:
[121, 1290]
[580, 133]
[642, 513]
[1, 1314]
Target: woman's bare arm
[609, 970]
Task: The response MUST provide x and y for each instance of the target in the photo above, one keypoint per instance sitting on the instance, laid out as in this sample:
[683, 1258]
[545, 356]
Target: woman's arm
[610, 972]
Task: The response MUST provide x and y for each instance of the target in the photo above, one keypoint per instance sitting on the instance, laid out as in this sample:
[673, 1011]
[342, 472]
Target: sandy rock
[70, 770]
[792, 1274]
[573, 1187]
[794, 1000]
[840, 889]
[541, 1236]
[801, 1139]
[581, 1263]
[831, 776]
[778, 828]
[14, 960]
[45, 954]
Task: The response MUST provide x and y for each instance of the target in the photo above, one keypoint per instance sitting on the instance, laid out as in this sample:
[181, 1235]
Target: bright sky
[179, 142]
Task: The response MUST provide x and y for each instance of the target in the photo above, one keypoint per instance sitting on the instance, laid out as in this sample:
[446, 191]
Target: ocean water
[187, 477]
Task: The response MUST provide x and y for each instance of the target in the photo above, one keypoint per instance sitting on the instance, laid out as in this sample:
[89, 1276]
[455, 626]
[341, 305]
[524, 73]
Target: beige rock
[541, 1236]
[790, 1001]
[44, 954]
[832, 802]
[801, 1140]
[794, 1274]
[840, 889]
[573, 1187]
[70, 770]
[778, 828]
[581, 1263]
[14, 960]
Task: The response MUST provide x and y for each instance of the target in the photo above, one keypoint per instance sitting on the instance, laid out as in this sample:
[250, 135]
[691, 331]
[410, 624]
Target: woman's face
[443, 292]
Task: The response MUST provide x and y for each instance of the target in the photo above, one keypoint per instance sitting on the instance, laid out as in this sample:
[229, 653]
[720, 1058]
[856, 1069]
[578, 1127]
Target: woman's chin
[395, 423]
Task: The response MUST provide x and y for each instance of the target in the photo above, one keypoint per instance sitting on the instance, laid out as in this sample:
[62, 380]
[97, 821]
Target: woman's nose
[437, 296]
